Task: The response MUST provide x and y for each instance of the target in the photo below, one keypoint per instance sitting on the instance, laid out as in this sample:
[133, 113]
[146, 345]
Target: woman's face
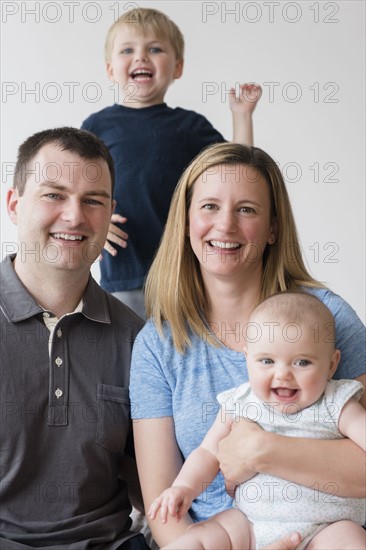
[230, 220]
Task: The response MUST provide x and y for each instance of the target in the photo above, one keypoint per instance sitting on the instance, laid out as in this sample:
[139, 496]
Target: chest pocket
[113, 417]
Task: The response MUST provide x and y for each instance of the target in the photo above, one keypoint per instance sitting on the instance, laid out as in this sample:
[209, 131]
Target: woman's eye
[247, 209]
[209, 206]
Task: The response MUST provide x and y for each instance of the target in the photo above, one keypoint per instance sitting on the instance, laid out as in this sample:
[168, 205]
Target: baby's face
[144, 66]
[288, 363]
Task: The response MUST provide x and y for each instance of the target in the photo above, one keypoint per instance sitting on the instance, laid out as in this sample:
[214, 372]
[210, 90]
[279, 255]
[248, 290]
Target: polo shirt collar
[18, 304]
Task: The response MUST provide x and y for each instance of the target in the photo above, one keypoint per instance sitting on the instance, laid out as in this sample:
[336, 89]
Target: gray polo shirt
[65, 420]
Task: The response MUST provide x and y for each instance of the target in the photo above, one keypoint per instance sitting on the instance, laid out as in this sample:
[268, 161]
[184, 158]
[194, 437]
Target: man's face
[64, 213]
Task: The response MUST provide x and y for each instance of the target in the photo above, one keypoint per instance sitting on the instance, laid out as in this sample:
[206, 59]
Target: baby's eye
[126, 50]
[302, 363]
[266, 361]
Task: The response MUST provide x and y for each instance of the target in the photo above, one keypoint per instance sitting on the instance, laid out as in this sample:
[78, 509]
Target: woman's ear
[272, 237]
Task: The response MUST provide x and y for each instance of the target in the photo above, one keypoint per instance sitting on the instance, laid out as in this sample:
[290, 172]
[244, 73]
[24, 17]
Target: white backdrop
[308, 57]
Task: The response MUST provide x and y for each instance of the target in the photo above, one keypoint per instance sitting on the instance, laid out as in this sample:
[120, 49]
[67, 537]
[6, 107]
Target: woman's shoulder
[339, 307]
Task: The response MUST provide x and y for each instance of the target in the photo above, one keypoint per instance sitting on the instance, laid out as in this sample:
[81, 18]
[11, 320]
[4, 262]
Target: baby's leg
[227, 530]
[341, 535]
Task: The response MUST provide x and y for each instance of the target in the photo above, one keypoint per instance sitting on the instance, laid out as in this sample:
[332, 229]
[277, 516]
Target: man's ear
[334, 363]
[12, 199]
[178, 68]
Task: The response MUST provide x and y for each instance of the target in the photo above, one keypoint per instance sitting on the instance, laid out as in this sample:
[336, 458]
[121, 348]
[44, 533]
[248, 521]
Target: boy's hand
[115, 235]
[249, 95]
[174, 501]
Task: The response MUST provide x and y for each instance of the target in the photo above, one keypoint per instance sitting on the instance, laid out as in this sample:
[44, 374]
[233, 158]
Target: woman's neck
[229, 308]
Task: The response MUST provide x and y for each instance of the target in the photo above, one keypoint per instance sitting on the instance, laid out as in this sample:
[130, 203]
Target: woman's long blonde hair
[174, 286]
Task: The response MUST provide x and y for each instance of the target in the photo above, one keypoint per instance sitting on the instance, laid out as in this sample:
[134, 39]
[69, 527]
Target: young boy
[290, 359]
[150, 143]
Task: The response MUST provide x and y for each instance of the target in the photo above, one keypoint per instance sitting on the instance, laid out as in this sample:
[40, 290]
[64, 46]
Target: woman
[230, 241]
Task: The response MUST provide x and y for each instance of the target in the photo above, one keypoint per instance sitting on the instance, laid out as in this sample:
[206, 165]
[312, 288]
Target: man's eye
[53, 196]
[92, 202]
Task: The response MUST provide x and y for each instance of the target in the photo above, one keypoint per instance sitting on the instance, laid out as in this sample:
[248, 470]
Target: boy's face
[144, 66]
[288, 363]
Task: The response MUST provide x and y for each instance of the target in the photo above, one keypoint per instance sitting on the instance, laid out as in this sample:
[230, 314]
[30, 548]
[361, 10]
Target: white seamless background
[308, 56]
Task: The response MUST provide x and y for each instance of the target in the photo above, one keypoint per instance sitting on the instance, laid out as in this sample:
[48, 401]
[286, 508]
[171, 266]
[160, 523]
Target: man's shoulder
[121, 311]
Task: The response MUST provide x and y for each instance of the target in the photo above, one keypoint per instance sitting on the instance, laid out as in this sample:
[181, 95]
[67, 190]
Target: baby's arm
[200, 469]
[352, 422]
[242, 108]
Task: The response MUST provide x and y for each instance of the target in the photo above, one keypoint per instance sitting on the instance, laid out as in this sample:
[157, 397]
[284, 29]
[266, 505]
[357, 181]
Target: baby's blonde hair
[146, 20]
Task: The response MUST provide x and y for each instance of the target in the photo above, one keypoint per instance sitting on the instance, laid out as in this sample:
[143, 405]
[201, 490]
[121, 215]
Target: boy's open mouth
[141, 74]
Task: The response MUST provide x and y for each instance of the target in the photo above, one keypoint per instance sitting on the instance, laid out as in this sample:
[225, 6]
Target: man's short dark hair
[83, 143]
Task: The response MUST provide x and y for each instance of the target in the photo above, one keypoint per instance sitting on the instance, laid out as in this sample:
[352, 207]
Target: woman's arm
[159, 462]
[321, 464]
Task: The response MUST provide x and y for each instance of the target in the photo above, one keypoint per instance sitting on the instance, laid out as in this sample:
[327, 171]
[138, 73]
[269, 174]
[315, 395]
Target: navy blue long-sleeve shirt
[150, 147]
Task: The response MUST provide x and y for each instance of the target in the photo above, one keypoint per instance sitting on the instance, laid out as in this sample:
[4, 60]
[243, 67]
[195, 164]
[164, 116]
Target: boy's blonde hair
[174, 288]
[146, 20]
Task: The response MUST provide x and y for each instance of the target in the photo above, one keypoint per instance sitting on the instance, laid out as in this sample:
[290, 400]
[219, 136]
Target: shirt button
[58, 393]
[46, 314]
[59, 333]
[58, 361]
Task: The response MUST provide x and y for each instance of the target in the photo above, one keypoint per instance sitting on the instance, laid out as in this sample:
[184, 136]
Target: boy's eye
[155, 49]
[126, 50]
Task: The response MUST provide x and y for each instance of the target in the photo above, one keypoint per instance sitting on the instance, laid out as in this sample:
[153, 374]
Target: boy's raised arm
[242, 107]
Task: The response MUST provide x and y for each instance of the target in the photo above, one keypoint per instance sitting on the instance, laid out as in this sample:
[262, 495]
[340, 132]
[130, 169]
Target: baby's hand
[174, 501]
[249, 95]
[116, 235]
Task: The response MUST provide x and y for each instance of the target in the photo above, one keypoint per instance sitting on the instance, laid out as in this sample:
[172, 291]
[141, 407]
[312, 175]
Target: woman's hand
[238, 452]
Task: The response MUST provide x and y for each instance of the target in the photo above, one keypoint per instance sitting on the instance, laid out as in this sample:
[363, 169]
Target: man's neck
[58, 291]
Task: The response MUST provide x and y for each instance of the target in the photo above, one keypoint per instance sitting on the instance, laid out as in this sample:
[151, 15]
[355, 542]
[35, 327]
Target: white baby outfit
[275, 506]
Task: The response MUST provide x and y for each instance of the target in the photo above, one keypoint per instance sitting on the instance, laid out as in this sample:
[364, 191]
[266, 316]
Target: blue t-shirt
[166, 383]
[150, 147]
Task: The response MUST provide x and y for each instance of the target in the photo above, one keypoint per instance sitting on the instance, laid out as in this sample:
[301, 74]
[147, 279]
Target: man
[65, 355]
